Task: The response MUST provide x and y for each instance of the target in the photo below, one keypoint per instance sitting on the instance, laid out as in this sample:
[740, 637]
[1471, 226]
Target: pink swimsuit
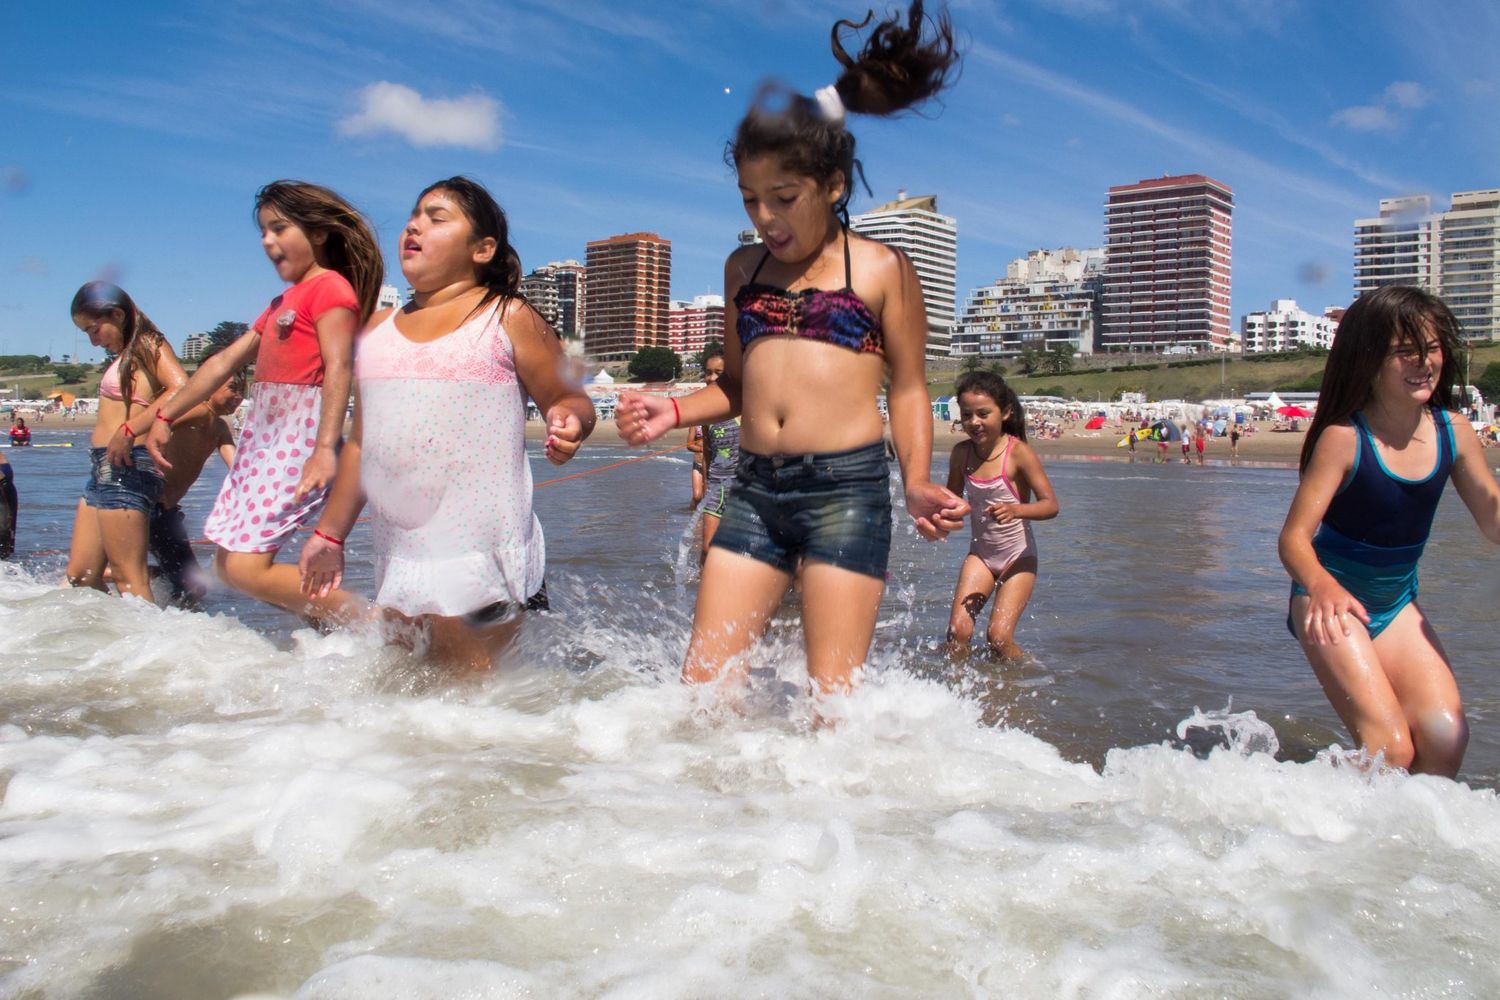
[109, 385]
[997, 544]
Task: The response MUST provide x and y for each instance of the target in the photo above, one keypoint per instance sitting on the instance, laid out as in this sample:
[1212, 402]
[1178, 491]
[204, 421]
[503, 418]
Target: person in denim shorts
[823, 318]
[113, 518]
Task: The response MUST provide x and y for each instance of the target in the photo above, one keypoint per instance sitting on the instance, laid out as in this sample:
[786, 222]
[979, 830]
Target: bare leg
[124, 533]
[1015, 591]
[975, 584]
[1359, 690]
[1422, 678]
[736, 599]
[258, 575]
[465, 649]
[839, 608]
[86, 550]
[710, 526]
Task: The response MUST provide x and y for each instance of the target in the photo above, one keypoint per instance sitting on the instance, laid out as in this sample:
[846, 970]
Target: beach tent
[1275, 402]
[602, 378]
[1166, 430]
[941, 408]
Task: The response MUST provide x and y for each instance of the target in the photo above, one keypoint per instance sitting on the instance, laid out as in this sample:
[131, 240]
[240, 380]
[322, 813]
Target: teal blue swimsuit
[1377, 525]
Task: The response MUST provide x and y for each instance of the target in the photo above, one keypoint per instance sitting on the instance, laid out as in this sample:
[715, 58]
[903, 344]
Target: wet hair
[896, 70]
[501, 277]
[350, 247]
[1400, 316]
[142, 341]
[1013, 414]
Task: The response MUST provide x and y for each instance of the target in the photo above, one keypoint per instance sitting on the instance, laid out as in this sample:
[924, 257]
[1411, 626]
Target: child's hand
[936, 510]
[317, 473]
[321, 565]
[118, 449]
[1002, 512]
[1329, 611]
[564, 434]
[156, 442]
[642, 418]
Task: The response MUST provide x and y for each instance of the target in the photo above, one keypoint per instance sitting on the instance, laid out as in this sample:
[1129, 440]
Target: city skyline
[138, 137]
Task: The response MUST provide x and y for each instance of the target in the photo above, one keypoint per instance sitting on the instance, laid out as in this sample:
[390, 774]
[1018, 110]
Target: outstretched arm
[210, 375]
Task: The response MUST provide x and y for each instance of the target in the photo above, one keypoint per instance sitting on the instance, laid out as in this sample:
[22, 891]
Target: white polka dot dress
[444, 469]
[255, 511]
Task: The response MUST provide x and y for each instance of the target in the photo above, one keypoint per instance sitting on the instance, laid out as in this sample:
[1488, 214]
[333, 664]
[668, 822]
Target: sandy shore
[1261, 446]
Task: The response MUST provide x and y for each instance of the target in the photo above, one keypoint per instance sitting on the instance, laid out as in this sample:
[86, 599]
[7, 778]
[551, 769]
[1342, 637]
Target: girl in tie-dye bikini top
[834, 316]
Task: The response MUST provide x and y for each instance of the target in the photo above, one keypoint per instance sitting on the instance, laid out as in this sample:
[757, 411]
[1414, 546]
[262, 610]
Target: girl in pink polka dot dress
[438, 447]
[303, 349]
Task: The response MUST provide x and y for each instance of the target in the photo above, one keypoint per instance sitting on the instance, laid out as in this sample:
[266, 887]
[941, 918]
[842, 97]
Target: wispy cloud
[471, 122]
[1383, 114]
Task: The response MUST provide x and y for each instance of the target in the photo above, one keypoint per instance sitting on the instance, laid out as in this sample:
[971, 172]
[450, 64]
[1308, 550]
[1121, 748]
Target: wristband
[164, 418]
[125, 426]
[328, 538]
[676, 413]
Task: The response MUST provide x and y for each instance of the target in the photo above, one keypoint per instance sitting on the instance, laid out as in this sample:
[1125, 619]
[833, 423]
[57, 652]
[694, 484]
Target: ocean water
[227, 804]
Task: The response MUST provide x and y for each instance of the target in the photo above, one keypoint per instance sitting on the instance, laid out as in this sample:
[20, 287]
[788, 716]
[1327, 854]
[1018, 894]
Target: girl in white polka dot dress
[438, 444]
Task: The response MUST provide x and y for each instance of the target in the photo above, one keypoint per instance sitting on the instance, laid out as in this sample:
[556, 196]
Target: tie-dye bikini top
[832, 316]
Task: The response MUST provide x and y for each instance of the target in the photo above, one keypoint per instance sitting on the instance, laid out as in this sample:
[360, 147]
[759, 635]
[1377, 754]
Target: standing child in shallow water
[124, 484]
[1007, 489]
[721, 458]
[822, 317]
[1384, 441]
[303, 349]
[438, 445]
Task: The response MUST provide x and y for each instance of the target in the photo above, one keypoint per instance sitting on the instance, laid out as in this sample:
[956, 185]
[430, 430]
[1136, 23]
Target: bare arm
[935, 510]
[224, 441]
[544, 372]
[210, 375]
[1031, 476]
[170, 378]
[1473, 479]
[956, 462]
[336, 330]
[322, 559]
[1332, 459]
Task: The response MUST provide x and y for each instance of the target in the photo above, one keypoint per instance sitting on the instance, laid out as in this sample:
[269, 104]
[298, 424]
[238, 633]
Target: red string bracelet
[328, 538]
[125, 426]
[164, 418]
[676, 412]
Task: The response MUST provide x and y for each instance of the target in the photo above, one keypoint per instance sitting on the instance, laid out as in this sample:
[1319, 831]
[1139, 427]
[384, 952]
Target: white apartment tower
[1454, 254]
[556, 291]
[389, 297]
[691, 324]
[194, 346]
[930, 239]
[1168, 246]
[1047, 299]
[1284, 327]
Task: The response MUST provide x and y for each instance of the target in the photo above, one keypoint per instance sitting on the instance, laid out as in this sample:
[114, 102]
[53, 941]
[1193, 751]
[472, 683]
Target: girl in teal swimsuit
[1385, 439]
[822, 317]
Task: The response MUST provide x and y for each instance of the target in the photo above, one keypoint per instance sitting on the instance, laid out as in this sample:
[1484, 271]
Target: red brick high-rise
[629, 286]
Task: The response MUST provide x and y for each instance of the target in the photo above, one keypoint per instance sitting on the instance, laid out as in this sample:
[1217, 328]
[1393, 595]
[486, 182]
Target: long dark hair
[1392, 316]
[142, 340]
[501, 276]
[1013, 414]
[351, 248]
[895, 70]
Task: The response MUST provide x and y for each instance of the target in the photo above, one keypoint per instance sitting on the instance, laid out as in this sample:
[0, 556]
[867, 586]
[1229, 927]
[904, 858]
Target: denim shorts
[123, 487]
[833, 508]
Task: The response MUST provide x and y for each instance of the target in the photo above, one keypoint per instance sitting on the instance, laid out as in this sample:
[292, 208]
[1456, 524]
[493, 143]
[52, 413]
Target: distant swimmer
[113, 518]
[303, 348]
[1383, 442]
[825, 317]
[20, 434]
[459, 554]
[198, 434]
[1007, 489]
[8, 507]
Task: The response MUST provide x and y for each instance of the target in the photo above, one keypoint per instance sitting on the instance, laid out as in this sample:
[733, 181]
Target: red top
[288, 329]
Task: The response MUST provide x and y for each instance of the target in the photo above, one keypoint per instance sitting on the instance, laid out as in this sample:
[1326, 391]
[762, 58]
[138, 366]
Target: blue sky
[137, 134]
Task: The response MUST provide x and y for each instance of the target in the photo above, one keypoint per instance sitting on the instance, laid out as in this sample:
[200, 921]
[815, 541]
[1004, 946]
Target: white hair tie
[829, 103]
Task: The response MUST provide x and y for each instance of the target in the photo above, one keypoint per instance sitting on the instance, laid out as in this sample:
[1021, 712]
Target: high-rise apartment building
[930, 239]
[1284, 327]
[629, 281]
[556, 291]
[1047, 299]
[1168, 251]
[692, 324]
[194, 345]
[1454, 254]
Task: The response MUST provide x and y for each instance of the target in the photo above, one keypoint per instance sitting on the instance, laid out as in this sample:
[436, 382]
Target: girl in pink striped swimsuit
[1006, 487]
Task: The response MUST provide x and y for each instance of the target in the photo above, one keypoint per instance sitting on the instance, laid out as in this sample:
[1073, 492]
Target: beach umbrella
[1094, 423]
[1166, 430]
[1293, 411]
[65, 398]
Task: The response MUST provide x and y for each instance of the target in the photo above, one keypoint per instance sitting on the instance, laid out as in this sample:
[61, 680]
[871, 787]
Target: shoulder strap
[848, 272]
[756, 273]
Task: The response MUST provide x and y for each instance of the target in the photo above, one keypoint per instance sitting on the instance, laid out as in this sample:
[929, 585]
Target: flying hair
[142, 340]
[350, 248]
[900, 66]
[1395, 316]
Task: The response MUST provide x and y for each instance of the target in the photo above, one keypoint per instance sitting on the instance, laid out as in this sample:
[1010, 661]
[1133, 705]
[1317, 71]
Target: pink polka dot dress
[255, 510]
[444, 469]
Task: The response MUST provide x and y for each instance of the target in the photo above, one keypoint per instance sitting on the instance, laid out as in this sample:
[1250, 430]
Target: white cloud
[472, 122]
[1366, 118]
[1405, 94]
